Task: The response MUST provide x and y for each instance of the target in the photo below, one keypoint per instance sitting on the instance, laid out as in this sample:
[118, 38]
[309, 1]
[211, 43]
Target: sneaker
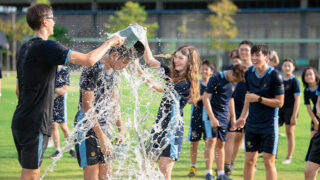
[287, 161]
[192, 172]
[209, 177]
[227, 169]
[72, 153]
[224, 177]
[55, 154]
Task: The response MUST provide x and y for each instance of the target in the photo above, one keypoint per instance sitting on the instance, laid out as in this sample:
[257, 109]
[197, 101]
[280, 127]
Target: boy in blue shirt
[265, 94]
[216, 102]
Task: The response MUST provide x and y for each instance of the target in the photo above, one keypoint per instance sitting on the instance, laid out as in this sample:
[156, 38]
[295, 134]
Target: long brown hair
[192, 71]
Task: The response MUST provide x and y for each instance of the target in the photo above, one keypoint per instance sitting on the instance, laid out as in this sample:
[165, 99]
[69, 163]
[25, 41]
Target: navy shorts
[88, 152]
[60, 109]
[313, 154]
[267, 143]
[30, 148]
[285, 116]
[196, 130]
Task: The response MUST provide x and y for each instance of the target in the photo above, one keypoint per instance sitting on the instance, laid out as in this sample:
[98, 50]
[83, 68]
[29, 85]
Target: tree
[223, 27]
[131, 13]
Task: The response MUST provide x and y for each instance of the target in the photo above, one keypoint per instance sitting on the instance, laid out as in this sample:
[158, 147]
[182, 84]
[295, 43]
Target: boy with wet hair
[216, 100]
[36, 70]
[98, 101]
[265, 95]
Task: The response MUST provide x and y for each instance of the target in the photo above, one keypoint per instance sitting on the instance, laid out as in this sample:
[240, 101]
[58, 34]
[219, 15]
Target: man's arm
[87, 103]
[244, 114]
[207, 105]
[93, 56]
[276, 102]
[148, 57]
[232, 113]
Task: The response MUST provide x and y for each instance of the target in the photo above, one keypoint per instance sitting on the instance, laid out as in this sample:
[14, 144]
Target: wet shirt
[263, 119]
[36, 71]
[311, 94]
[97, 79]
[221, 91]
[181, 94]
[291, 89]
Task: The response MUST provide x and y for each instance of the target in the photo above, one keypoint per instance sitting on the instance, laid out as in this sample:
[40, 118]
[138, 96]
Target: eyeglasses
[244, 50]
[52, 17]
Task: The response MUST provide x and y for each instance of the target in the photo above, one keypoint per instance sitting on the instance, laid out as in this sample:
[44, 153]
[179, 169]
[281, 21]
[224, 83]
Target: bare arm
[117, 111]
[244, 114]
[207, 105]
[87, 103]
[232, 113]
[293, 120]
[148, 57]
[318, 106]
[276, 102]
[93, 56]
[312, 115]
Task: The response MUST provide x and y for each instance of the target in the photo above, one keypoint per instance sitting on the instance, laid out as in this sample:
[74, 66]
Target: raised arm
[148, 57]
[95, 55]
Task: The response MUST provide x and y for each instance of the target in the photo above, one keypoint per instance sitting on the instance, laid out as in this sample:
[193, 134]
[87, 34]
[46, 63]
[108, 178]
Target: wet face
[287, 68]
[310, 77]
[205, 71]
[120, 64]
[244, 52]
[180, 61]
[259, 60]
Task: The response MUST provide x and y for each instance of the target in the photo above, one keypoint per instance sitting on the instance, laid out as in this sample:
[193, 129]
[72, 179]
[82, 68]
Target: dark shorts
[88, 152]
[313, 154]
[196, 130]
[285, 116]
[30, 148]
[267, 143]
[167, 143]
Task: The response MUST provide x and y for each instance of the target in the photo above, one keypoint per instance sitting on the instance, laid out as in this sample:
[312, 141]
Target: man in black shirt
[36, 70]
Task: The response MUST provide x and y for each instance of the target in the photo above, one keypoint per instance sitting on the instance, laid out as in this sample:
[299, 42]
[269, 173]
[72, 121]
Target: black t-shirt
[36, 72]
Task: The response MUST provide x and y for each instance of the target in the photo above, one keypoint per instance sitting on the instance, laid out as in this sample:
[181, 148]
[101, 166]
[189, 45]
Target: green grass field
[67, 167]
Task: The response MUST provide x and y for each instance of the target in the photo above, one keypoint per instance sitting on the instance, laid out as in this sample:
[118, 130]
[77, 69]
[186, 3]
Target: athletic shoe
[287, 161]
[224, 177]
[192, 172]
[227, 169]
[72, 153]
[55, 154]
[209, 177]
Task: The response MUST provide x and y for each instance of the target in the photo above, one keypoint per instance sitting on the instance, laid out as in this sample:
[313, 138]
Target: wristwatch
[259, 99]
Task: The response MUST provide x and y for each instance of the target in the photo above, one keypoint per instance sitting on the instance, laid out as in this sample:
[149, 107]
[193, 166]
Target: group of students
[218, 105]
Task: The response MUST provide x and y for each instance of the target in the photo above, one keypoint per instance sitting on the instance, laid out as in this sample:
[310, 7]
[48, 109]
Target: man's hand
[214, 122]
[105, 146]
[293, 120]
[240, 122]
[117, 40]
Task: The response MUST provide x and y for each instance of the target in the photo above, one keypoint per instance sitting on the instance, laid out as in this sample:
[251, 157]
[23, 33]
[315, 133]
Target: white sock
[194, 165]
[209, 171]
[220, 173]
[58, 149]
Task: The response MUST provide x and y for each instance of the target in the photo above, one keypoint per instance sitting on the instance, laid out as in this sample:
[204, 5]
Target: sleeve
[88, 79]
[278, 87]
[318, 89]
[306, 97]
[166, 68]
[183, 88]
[296, 87]
[55, 53]
[211, 85]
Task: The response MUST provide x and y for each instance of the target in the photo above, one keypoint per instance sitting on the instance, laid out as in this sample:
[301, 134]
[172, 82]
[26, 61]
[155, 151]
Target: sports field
[67, 168]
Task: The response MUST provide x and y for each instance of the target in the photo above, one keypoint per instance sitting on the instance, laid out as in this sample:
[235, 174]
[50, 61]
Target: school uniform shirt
[97, 79]
[221, 91]
[292, 89]
[311, 94]
[263, 119]
[60, 106]
[239, 95]
[36, 71]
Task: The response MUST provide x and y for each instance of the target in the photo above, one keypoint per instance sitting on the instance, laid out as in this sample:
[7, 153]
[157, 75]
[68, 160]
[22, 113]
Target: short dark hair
[36, 13]
[288, 60]
[316, 74]
[247, 42]
[233, 51]
[238, 71]
[260, 47]
[124, 51]
[208, 63]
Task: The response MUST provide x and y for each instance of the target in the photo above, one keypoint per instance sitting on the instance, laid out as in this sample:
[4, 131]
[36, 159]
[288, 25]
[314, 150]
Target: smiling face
[180, 61]
[310, 77]
[259, 60]
[287, 68]
[205, 71]
[244, 52]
